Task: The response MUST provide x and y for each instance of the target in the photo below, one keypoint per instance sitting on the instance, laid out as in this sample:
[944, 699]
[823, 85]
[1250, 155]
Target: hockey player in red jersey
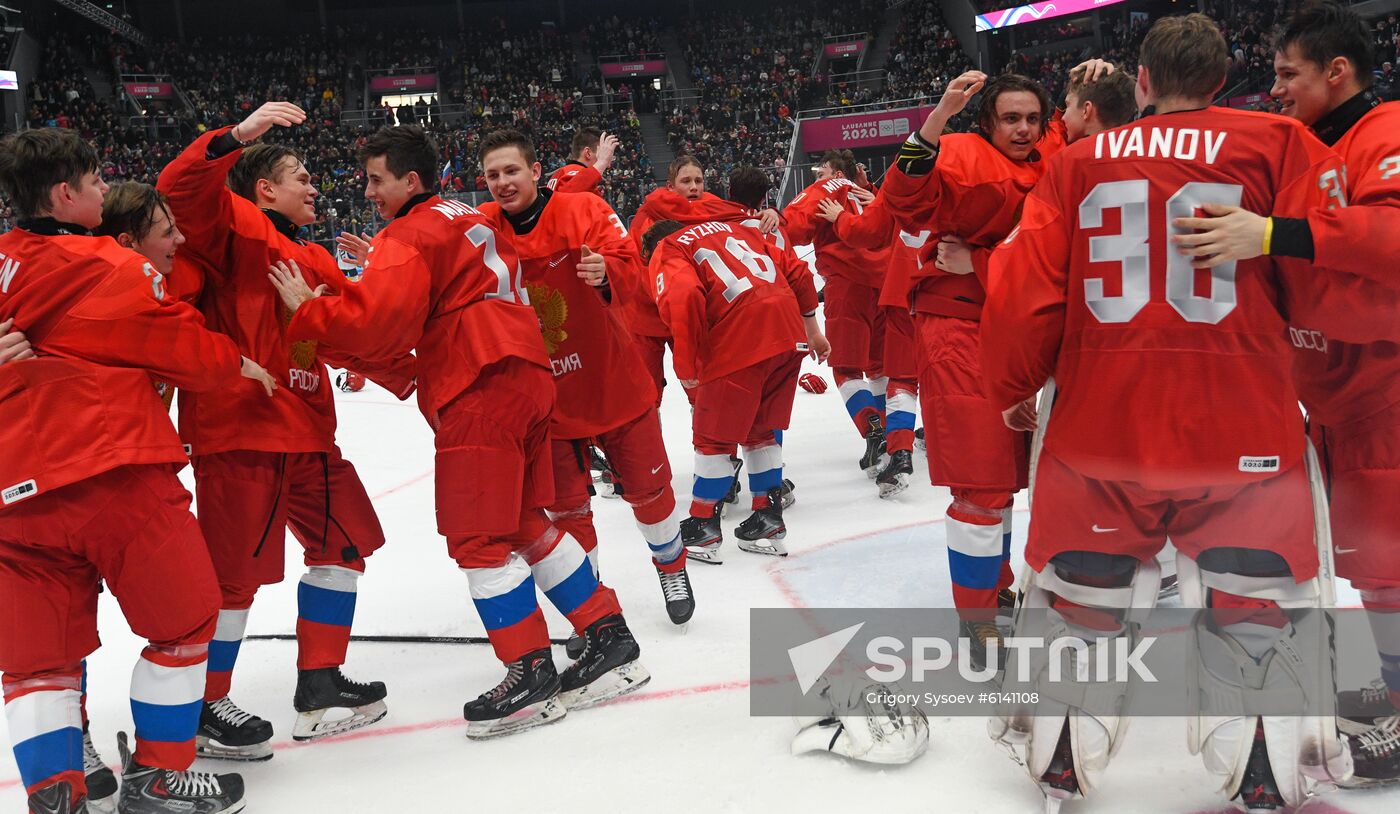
[102, 504]
[850, 294]
[590, 155]
[742, 312]
[442, 279]
[260, 469]
[1351, 391]
[579, 266]
[1090, 290]
[969, 185]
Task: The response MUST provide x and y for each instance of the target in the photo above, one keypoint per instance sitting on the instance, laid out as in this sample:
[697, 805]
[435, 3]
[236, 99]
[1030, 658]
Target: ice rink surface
[686, 742]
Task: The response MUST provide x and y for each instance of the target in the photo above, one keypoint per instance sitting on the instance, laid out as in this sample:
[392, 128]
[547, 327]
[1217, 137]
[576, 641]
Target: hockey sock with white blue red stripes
[44, 714]
[325, 613]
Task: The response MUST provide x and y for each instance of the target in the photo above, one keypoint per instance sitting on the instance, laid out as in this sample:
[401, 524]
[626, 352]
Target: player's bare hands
[1229, 233]
[1021, 417]
[1093, 69]
[271, 114]
[954, 256]
[862, 195]
[14, 345]
[690, 384]
[768, 221]
[959, 92]
[862, 178]
[252, 370]
[592, 267]
[286, 278]
[818, 345]
[357, 246]
[607, 148]
[830, 210]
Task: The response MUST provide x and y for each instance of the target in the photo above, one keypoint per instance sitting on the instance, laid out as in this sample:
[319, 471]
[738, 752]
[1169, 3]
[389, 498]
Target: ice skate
[58, 799]
[702, 538]
[1059, 782]
[680, 599]
[609, 666]
[763, 531]
[320, 691]
[984, 639]
[1259, 791]
[101, 782]
[604, 481]
[228, 733]
[1359, 710]
[148, 790]
[526, 698]
[733, 495]
[894, 478]
[919, 442]
[1375, 754]
[573, 646]
[789, 493]
[874, 457]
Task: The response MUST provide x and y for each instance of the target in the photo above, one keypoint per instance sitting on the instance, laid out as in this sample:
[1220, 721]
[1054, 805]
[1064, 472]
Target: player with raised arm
[578, 265]
[104, 505]
[743, 311]
[969, 186]
[590, 155]
[1323, 60]
[852, 275]
[261, 469]
[440, 278]
[1090, 290]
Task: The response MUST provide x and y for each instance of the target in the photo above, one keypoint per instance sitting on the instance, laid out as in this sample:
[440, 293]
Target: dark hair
[130, 208]
[586, 139]
[1011, 83]
[680, 163]
[748, 186]
[508, 137]
[405, 149]
[256, 163]
[1112, 96]
[658, 232]
[1324, 30]
[1185, 56]
[842, 161]
[33, 162]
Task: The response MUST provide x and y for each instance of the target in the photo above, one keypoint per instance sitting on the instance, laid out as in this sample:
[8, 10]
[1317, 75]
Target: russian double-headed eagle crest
[552, 310]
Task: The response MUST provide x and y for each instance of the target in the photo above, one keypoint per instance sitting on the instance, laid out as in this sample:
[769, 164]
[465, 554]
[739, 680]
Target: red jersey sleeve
[870, 229]
[605, 234]
[128, 320]
[1360, 238]
[912, 201]
[799, 278]
[681, 301]
[201, 200]
[381, 316]
[800, 217]
[581, 179]
[1024, 317]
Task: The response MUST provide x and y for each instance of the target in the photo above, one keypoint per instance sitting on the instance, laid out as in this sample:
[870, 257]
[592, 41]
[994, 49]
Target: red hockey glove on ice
[812, 383]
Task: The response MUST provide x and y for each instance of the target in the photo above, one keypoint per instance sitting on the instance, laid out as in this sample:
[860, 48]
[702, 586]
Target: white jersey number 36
[1129, 248]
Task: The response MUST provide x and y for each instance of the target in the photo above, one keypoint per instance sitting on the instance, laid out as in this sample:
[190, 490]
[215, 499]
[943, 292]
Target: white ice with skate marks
[686, 742]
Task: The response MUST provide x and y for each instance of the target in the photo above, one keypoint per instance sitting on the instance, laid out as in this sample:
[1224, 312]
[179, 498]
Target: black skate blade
[311, 726]
[541, 713]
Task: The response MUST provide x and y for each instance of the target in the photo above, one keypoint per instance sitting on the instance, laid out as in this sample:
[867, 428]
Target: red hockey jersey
[443, 280]
[601, 379]
[835, 257]
[576, 177]
[1341, 382]
[875, 228]
[237, 243]
[731, 298]
[1167, 376]
[103, 327]
[974, 192]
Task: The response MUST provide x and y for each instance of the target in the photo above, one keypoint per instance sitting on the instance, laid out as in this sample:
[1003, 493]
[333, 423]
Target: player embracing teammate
[1091, 290]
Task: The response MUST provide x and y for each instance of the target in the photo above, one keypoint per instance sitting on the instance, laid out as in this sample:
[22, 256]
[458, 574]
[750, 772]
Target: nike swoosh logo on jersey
[1345, 550]
[657, 469]
[1098, 530]
[561, 258]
